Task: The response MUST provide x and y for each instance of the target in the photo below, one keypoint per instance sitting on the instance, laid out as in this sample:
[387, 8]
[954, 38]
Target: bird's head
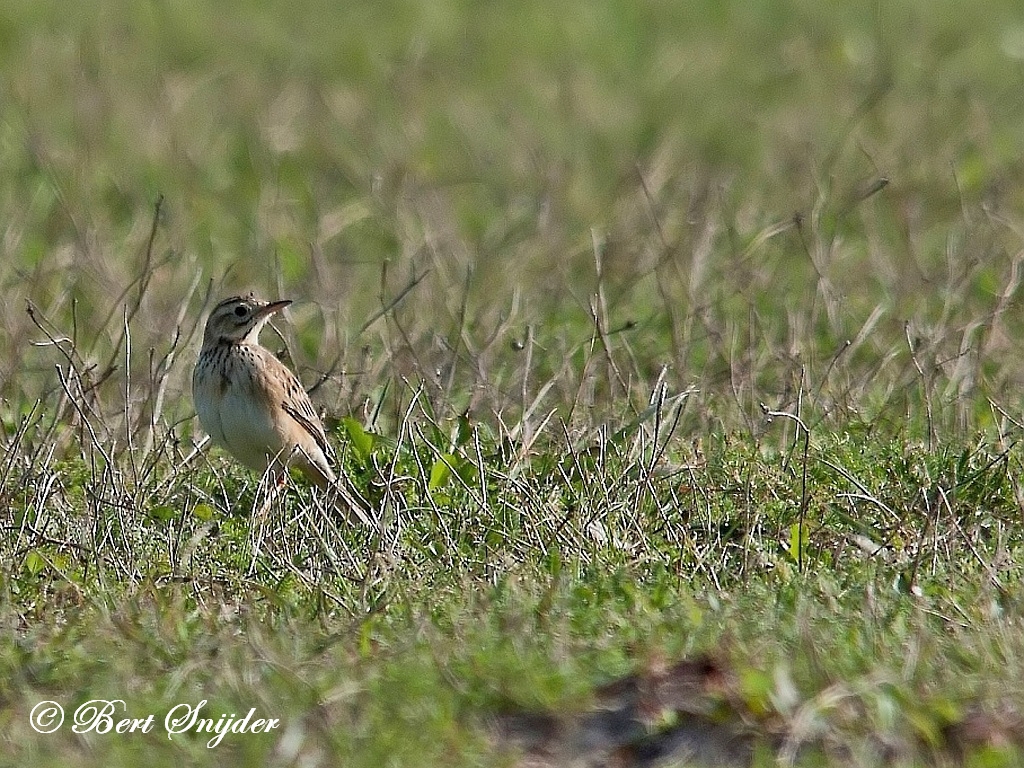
[240, 319]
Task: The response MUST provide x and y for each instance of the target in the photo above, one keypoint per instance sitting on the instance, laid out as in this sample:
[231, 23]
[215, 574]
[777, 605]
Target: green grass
[652, 332]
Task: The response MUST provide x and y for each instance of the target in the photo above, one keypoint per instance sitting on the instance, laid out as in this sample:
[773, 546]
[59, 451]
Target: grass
[675, 346]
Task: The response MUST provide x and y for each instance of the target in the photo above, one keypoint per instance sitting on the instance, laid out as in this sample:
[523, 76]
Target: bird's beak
[273, 307]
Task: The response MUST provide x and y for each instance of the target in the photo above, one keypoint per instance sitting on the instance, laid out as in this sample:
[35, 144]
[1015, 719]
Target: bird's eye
[240, 311]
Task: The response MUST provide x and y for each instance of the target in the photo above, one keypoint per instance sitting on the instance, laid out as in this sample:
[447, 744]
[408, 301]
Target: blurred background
[520, 206]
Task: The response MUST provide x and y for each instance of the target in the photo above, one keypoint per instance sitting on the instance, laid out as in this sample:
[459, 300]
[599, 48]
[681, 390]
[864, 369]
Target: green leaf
[204, 512]
[362, 441]
[162, 512]
[366, 639]
[797, 542]
[34, 563]
[468, 472]
[464, 431]
[441, 471]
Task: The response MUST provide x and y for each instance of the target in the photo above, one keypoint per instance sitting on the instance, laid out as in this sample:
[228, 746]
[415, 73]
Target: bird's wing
[298, 405]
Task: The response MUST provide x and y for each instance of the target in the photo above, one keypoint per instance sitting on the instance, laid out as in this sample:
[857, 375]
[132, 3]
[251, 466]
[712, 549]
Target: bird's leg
[271, 488]
[266, 491]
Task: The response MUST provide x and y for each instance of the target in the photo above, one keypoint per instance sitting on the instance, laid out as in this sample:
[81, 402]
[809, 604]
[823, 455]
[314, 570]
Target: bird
[252, 405]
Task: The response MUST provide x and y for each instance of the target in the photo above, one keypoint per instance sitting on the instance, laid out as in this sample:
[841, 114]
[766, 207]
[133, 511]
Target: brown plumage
[250, 403]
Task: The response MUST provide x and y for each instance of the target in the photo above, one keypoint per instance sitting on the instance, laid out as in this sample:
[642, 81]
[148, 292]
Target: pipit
[252, 405]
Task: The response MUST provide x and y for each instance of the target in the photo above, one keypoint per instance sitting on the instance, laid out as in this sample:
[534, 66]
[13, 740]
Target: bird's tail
[346, 501]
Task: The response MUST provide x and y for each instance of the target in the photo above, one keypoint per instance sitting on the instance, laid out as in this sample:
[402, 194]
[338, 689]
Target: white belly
[235, 414]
